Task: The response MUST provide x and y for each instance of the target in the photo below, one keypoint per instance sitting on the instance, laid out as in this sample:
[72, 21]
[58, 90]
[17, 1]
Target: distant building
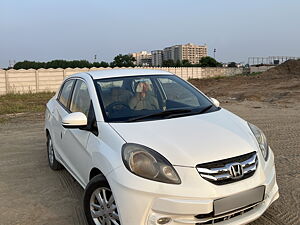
[157, 57]
[171, 53]
[192, 53]
[142, 58]
[146, 61]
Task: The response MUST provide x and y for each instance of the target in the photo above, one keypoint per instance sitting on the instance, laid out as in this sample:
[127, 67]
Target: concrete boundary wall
[42, 80]
[259, 69]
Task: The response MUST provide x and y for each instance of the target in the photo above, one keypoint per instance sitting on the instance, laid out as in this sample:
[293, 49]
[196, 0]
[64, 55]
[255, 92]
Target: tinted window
[65, 92]
[126, 98]
[81, 99]
[176, 92]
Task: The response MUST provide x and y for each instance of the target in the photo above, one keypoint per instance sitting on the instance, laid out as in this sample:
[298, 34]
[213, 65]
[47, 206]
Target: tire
[99, 204]
[53, 163]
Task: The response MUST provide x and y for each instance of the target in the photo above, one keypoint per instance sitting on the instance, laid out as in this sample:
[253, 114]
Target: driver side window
[81, 100]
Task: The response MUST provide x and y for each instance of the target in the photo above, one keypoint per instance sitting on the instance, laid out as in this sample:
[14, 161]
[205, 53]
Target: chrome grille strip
[250, 161]
[217, 177]
[222, 172]
[212, 171]
[250, 168]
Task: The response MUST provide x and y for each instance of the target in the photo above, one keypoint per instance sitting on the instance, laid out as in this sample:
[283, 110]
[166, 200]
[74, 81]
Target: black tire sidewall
[97, 182]
[55, 165]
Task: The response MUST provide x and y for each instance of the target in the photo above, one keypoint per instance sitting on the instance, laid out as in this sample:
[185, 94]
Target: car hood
[190, 140]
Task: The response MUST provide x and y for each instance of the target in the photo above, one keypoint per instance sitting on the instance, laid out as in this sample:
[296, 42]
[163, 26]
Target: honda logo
[236, 171]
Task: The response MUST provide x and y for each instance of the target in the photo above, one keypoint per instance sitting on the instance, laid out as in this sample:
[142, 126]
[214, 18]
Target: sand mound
[286, 69]
[280, 84]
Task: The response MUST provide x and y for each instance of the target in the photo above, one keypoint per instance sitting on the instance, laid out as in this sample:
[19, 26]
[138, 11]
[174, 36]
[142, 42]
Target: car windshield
[152, 97]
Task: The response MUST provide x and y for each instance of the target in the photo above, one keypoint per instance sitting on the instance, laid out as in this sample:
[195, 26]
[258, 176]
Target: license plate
[238, 201]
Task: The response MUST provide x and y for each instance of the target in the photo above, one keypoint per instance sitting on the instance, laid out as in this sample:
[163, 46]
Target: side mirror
[215, 102]
[74, 120]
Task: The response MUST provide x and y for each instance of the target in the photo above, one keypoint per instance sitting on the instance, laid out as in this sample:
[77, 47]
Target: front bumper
[143, 202]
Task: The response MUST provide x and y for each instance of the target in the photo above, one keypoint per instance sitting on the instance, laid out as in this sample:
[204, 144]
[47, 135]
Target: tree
[232, 64]
[100, 64]
[209, 62]
[79, 64]
[59, 64]
[123, 61]
[178, 63]
[56, 64]
[29, 65]
[186, 63]
[168, 63]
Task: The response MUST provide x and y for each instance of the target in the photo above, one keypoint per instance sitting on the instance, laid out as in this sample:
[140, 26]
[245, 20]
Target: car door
[60, 110]
[75, 141]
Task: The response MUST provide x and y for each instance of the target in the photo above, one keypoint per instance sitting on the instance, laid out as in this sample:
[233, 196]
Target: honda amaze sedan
[150, 149]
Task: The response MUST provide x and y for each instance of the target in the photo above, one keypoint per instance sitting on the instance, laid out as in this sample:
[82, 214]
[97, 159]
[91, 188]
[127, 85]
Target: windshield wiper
[192, 112]
[172, 113]
[161, 114]
[205, 109]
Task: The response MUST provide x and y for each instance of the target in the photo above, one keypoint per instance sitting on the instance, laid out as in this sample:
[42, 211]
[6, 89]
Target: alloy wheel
[103, 207]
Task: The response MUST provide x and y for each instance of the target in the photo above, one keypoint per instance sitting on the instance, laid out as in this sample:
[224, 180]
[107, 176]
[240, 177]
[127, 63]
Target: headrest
[142, 86]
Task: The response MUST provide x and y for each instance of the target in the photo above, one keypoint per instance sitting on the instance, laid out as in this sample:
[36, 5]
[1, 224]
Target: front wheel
[53, 163]
[99, 204]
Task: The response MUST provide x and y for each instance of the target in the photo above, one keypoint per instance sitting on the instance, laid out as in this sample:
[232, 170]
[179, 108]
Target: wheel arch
[94, 172]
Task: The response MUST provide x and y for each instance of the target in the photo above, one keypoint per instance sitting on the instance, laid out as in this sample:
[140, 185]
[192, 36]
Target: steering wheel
[117, 106]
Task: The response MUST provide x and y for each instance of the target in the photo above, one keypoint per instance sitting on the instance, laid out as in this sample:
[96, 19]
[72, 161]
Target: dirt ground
[279, 85]
[32, 194]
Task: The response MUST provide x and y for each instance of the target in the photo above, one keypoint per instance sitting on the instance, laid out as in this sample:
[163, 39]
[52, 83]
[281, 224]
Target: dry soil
[32, 194]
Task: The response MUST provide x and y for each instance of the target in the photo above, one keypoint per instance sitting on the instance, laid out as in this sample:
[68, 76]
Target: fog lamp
[164, 220]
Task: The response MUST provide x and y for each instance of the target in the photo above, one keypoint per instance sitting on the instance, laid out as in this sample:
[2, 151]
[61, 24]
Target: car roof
[110, 73]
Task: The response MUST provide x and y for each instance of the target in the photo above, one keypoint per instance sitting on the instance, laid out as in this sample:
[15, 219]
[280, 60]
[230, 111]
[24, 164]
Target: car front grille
[229, 170]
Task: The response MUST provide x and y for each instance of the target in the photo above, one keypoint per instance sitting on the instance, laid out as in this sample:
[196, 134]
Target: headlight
[261, 139]
[148, 164]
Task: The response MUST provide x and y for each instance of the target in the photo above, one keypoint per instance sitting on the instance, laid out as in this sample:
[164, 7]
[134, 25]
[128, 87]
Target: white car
[151, 149]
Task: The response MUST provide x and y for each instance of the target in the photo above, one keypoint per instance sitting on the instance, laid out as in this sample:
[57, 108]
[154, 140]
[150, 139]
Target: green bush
[58, 64]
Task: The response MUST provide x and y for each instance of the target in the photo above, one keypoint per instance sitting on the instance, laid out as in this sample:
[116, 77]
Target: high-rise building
[142, 58]
[192, 53]
[157, 57]
[171, 53]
